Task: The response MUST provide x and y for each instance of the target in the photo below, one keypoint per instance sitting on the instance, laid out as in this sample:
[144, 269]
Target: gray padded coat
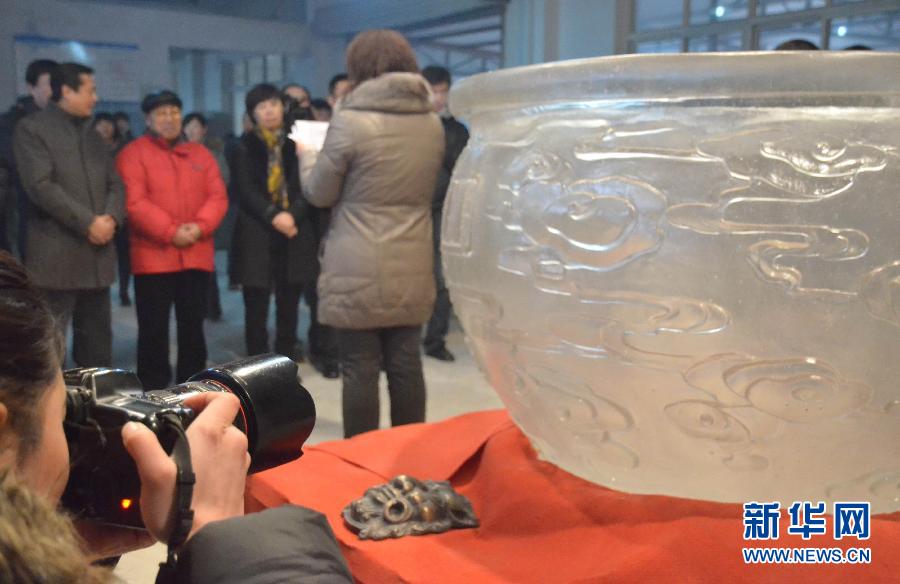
[377, 170]
[70, 178]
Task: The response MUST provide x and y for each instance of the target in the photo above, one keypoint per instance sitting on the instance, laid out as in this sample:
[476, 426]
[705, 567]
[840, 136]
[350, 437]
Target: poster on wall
[115, 66]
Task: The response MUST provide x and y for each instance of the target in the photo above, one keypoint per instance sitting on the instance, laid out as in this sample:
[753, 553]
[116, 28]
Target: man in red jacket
[175, 199]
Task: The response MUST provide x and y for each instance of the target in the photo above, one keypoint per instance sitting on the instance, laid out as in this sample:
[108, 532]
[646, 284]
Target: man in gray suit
[76, 202]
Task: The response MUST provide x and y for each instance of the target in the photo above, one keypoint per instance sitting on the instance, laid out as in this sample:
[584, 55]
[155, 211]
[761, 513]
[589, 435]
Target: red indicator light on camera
[125, 504]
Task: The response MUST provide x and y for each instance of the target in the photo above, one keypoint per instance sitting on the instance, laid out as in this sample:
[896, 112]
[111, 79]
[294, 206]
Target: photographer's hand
[219, 457]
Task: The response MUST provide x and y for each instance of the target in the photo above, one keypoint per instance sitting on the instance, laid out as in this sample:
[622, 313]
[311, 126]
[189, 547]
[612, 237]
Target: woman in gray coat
[377, 171]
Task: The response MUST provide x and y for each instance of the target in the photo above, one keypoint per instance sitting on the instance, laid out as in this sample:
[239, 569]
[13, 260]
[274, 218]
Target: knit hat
[155, 100]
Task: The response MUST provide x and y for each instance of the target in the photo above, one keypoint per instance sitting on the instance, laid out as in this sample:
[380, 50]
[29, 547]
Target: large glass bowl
[681, 273]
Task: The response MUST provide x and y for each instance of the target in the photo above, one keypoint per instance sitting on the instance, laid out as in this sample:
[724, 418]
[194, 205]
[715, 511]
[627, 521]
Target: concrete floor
[453, 388]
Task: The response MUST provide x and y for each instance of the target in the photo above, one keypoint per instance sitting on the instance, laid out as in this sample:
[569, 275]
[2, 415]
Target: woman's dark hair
[320, 104]
[37, 68]
[107, 117]
[194, 116]
[31, 351]
[103, 117]
[298, 86]
[797, 45]
[69, 75]
[258, 94]
[375, 52]
[334, 81]
[435, 75]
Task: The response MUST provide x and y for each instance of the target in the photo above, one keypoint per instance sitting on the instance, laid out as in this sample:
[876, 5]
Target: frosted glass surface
[681, 289]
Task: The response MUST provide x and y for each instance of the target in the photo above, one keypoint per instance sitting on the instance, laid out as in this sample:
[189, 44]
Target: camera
[293, 111]
[277, 414]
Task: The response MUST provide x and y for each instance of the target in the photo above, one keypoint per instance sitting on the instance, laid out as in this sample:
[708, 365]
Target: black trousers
[123, 255]
[91, 317]
[362, 353]
[7, 217]
[22, 221]
[213, 299]
[439, 324]
[154, 295]
[256, 314]
[323, 344]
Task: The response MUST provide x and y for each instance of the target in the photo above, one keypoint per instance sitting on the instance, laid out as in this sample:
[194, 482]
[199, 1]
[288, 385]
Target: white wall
[155, 32]
[315, 69]
[539, 31]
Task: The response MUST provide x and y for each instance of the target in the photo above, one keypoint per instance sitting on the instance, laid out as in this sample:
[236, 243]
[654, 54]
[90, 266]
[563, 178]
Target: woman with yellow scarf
[276, 228]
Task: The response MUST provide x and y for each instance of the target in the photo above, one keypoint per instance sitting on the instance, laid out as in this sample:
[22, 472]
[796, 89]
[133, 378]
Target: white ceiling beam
[344, 17]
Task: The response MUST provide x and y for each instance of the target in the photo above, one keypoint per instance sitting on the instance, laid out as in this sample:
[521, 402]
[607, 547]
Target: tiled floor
[453, 388]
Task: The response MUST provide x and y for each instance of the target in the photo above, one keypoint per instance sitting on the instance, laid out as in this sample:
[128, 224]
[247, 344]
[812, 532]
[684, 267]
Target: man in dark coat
[76, 202]
[13, 201]
[455, 138]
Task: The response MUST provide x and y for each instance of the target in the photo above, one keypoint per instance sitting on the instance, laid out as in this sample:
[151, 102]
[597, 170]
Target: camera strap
[183, 515]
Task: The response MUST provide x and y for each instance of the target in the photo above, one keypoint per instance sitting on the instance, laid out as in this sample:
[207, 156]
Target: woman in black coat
[276, 228]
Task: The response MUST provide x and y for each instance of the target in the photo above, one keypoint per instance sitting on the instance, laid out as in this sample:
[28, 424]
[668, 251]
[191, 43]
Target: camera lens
[277, 412]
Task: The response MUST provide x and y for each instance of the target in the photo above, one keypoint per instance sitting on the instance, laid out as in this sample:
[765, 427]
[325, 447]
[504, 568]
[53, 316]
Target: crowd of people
[84, 203]
[352, 229]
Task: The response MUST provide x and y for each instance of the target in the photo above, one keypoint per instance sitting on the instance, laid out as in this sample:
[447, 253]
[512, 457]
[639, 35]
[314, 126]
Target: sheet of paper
[310, 134]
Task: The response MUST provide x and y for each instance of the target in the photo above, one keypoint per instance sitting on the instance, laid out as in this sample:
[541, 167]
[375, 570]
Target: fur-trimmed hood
[396, 93]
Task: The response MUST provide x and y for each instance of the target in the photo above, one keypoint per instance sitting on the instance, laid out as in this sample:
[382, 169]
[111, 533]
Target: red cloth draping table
[539, 523]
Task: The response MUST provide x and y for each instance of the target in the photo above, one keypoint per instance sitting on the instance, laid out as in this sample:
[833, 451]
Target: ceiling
[335, 17]
[466, 36]
[281, 10]
[346, 17]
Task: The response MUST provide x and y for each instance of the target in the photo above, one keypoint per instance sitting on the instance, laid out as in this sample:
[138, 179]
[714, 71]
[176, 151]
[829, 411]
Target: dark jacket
[286, 544]
[69, 177]
[10, 187]
[377, 170]
[455, 138]
[259, 247]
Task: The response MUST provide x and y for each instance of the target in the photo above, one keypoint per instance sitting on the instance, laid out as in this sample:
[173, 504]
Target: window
[732, 25]
[662, 46]
[706, 11]
[811, 31]
[256, 70]
[658, 14]
[784, 6]
[879, 32]
[275, 68]
[732, 41]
